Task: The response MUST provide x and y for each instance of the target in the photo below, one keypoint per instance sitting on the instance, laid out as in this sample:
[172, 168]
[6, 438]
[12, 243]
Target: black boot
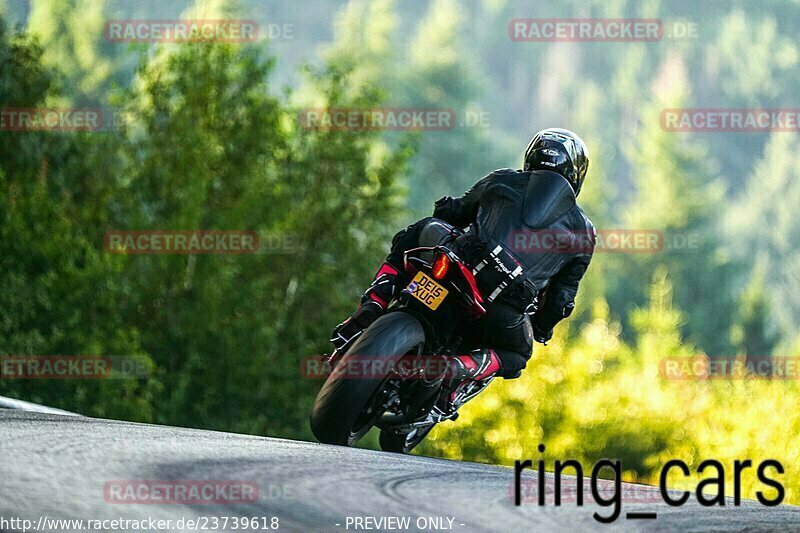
[373, 305]
[475, 366]
[466, 370]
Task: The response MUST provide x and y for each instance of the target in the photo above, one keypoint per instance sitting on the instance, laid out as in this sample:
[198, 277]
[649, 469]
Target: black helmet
[560, 151]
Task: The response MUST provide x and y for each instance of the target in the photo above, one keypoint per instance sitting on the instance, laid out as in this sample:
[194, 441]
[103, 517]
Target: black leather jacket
[535, 217]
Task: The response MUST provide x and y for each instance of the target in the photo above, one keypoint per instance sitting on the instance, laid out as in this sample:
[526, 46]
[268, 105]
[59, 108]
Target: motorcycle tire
[339, 414]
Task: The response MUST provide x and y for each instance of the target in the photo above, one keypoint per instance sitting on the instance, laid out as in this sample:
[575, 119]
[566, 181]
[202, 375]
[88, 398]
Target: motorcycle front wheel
[347, 407]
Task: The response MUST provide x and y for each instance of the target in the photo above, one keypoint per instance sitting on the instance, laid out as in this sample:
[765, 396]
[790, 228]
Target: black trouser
[504, 329]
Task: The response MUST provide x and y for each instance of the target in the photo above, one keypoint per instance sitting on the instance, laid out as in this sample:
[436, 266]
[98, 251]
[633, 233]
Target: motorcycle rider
[499, 212]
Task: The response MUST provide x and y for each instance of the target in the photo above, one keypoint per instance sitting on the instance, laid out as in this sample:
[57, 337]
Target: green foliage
[754, 58]
[363, 43]
[678, 195]
[71, 33]
[204, 147]
[440, 76]
[756, 336]
[58, 288]
[764, 226]
[435, 74]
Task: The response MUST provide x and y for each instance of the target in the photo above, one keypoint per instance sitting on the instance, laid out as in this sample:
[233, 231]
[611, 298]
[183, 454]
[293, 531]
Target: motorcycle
[424, 326]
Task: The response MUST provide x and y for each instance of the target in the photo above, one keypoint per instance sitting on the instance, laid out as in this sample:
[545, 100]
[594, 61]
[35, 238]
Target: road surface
[65, 467]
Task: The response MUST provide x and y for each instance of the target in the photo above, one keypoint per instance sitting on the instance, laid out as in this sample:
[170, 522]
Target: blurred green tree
[72, 38]
[59, 292]
[678, 193]
[439, 75]
[763, 224]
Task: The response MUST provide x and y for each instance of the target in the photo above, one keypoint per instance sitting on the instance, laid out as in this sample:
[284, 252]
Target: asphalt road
[65, 467]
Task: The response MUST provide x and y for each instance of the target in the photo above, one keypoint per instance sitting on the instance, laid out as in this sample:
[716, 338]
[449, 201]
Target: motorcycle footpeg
[440, 416]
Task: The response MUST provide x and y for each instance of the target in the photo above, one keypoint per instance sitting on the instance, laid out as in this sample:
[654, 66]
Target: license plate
[426, 290]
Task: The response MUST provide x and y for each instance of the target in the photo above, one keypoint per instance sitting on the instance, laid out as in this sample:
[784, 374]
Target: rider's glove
[540, 335]
[346, 332]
